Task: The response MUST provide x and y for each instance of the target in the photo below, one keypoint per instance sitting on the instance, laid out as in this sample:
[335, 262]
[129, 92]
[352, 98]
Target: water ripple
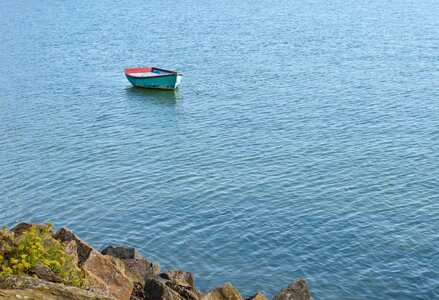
[302, 143]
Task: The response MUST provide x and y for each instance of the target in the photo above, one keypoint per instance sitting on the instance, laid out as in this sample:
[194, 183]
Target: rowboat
[153, 78]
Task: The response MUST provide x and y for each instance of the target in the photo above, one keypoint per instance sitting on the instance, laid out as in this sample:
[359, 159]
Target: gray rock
[142, 267]
[122, 252]
[298, 290]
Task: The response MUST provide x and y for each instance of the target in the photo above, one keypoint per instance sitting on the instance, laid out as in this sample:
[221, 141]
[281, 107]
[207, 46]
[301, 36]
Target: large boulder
[297, 290]
[178, 274]
[134, 275]
[225, 292]
[105, 275]
[24, 287]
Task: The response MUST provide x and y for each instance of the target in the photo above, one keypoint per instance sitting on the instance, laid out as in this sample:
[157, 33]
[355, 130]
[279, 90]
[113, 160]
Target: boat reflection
[167, 97]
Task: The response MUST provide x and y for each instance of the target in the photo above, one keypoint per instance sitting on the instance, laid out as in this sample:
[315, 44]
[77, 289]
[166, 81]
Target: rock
[225, 292]
[140, 271]
[138, 292]
[71, 248]
[20, 228]
[136, 269]
[298, 290]
[23, 226]
[133, 265]
[136, 276]
[25, 287]
[105, 274]
[136, 262]
[162, 289]
[156, 289]
[82, 248]
[143, 267]
[45, 273]
[5, 242]
[122, 252]
[127, 271]
[178, 274]
[184, 289]
[257, 296]
[108, 276]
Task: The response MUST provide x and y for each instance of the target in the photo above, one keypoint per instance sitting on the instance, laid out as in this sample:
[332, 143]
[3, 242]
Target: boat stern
[178, 80]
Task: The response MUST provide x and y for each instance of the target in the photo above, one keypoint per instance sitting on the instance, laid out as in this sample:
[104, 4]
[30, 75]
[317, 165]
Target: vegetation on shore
[38, 263]
[21, 254]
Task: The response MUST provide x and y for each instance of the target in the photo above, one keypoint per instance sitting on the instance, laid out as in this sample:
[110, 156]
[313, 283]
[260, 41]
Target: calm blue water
[303, 142]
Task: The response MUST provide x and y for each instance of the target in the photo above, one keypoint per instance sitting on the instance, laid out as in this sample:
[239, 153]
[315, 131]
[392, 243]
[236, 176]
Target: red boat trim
[137, 70]
[132, 71]
[158, 75]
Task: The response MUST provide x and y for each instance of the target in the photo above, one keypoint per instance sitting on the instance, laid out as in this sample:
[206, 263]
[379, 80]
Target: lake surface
[303, 141]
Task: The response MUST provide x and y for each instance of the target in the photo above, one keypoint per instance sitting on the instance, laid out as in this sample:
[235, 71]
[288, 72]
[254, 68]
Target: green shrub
[19, 254]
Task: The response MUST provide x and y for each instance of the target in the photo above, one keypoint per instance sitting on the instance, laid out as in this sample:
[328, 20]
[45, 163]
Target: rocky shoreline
[114, 273]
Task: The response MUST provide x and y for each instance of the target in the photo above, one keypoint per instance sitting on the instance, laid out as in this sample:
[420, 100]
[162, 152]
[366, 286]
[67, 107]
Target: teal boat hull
[163, 82]
[153, 78]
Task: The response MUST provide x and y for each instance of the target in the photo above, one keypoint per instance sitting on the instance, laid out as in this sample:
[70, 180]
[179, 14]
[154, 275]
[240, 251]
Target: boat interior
[145, 72]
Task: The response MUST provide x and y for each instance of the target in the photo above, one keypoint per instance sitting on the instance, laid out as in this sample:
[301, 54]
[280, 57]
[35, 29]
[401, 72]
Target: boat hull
[164, 82]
